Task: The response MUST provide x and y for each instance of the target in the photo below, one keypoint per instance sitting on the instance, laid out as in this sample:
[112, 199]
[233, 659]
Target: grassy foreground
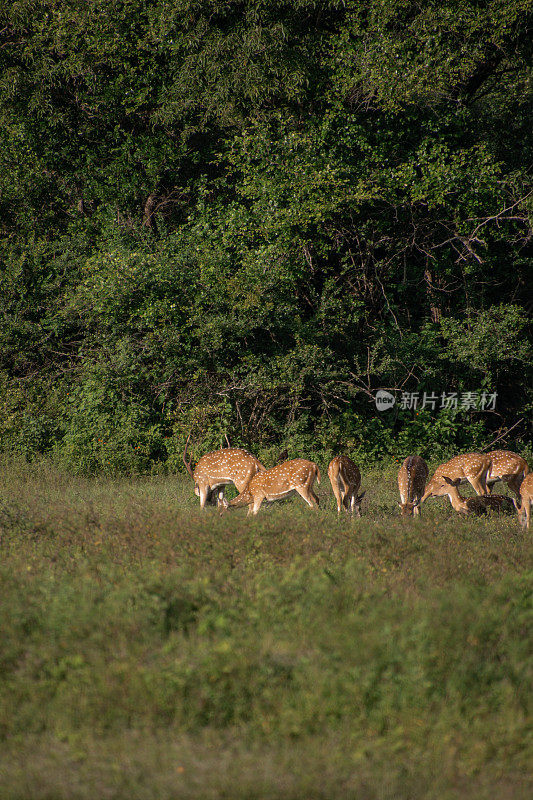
[148, 650]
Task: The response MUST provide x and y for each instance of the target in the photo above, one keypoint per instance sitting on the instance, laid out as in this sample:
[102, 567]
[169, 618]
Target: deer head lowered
[471, 467]
[412, 479]
[296, 476]
[526, 498]
[345, 479]
[472, 505]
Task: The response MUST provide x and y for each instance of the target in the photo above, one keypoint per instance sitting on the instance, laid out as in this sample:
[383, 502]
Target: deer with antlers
[526, 498]
[412, 479]
[508, 467]
[472, 505]
[290, 477]
[471, 467]
[345, 479]
[215, 470]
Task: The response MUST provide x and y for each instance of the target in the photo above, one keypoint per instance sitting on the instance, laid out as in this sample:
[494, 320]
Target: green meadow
[152, 651]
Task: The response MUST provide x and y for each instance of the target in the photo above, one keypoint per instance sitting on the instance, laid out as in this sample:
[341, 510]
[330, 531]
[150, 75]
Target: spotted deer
[345, 479]
[472, 505]
[290, 477]
[526, 498]
[508, 467]
[215, 470]
[470, 467]
[412, 479]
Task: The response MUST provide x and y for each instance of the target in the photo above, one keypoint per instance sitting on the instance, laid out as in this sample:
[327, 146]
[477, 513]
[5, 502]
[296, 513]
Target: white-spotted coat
[345, 478]
[508, 467]
[295, 476]
[526, 498]
[470, 467]
[412, 479]
[219, 468]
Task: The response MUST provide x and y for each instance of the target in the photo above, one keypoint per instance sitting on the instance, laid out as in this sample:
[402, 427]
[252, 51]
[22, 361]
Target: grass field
[149, 650]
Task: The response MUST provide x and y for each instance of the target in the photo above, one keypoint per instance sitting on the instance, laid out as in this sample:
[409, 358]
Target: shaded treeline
[246, 217]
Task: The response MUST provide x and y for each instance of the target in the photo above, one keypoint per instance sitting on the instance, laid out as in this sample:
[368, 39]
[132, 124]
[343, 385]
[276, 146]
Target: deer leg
[204, 494]
[478, 482]
[522, 513]
[312, 493]
[356, 502]
[240, 501]
[258, 499]
[347, 494]
[336, 492]
[220, 499]
[241, 486]
[483, 479]
[514, 484]
[476, 486]
[307, 495]
[314, 496]
[350, 499]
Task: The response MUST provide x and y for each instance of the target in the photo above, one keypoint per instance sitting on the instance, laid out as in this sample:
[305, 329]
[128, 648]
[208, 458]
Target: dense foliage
[247, 217]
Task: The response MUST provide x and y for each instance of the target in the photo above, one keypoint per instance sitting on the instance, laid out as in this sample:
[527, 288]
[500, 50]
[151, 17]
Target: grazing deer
[277, 483]
[471, 467]
[508, 467]
[412, 479]
[217, 469]
[526, 498]
[472, 505]
[345, 479]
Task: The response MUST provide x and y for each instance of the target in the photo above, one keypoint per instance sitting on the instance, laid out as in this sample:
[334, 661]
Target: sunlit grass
[290, 655]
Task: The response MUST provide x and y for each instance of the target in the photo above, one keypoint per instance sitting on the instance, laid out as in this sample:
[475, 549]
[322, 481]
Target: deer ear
[449, 480]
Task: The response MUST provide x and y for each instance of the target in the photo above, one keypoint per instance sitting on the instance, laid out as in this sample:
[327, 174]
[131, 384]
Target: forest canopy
[245, 218]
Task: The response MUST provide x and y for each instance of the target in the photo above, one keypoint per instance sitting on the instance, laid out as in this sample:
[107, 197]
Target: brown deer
[215, 470]
[508, 467]
[471, 467]
[526, 498]
[345, 479]
[412, 479]
[472, 505]
[283, 480]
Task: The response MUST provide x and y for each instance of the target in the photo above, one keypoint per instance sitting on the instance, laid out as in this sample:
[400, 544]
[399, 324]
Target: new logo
[384, 400]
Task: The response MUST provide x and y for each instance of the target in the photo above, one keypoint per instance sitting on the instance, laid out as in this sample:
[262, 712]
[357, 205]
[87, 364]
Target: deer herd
[257, 484]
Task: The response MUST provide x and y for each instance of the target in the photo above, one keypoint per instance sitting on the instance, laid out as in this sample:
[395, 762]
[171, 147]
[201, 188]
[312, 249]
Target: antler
[187, 463]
